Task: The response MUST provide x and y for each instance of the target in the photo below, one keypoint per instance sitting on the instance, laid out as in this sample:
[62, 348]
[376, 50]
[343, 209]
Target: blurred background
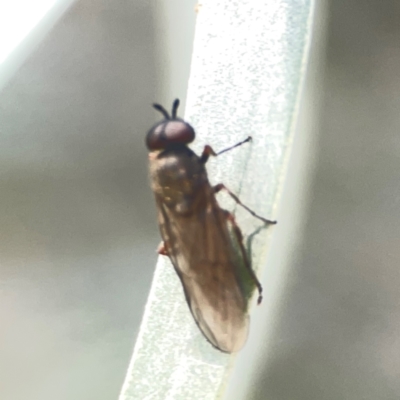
[339, 333]
[77, 221]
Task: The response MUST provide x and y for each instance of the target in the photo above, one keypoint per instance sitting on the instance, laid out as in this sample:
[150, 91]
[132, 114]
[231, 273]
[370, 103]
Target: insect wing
[201, 250]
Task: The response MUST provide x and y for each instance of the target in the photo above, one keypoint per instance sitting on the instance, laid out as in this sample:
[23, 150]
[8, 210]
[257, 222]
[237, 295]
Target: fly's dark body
[201, 239]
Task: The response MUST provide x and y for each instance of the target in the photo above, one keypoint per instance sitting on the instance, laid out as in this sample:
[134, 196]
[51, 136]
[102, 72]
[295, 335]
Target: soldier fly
[203, 241]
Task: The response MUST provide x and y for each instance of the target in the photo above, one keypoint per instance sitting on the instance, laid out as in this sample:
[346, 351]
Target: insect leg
[221, 186]
[162, 249]
[208, 150]
[239, 237]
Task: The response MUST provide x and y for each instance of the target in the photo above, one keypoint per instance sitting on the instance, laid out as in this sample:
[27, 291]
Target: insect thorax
[179, 179]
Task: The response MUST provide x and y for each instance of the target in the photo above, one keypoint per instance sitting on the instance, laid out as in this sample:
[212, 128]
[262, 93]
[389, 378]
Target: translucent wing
[201, 249]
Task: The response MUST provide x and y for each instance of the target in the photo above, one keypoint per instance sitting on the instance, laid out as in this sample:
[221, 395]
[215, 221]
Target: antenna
[175, 106]
[162, 110]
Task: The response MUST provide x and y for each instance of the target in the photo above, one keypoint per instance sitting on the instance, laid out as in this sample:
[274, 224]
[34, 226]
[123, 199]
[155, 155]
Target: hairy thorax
[179, 180]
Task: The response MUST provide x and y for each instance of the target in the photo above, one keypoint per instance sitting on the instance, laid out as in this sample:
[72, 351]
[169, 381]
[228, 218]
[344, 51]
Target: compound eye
[168, 133]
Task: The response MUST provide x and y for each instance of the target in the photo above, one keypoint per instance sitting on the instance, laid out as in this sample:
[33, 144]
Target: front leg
[208, 150]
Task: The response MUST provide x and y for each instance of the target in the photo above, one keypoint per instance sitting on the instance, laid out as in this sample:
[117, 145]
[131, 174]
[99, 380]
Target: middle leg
[221, 186]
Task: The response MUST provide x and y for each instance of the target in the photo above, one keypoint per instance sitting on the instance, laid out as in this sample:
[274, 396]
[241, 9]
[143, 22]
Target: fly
[203, 241]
